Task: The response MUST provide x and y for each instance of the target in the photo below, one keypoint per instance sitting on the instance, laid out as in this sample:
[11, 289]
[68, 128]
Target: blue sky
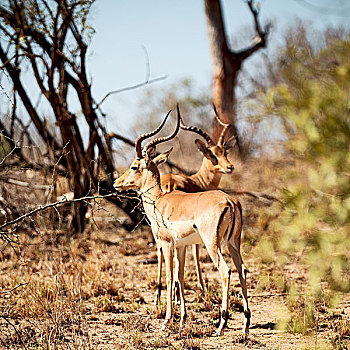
[174, 34]
[175, 37]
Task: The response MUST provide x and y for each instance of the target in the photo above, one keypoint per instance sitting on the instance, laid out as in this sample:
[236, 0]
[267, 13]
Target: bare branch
[15, 76]
[255, 13]
[261, 35]
[132, 87]
[264, 197]
[14, 148]
[122, 138]
[55, 204]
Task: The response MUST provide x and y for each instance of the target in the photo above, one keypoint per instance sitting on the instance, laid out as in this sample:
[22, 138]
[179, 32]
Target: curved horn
[147, 135]
[223, 134]
[225, 127]
[197, 131]
[158, 140]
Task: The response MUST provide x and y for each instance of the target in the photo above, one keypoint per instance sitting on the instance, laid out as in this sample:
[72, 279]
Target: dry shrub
[160, 311]
[341, 328]
[138, 341]
[209, 301]
[60, 279]
[195, 329]
[272, 279]
[190, 344]
[106, 304]
[136, 323]
[302, 315]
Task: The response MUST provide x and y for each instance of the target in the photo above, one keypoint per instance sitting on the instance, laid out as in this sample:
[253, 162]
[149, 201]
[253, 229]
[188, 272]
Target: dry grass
[341, 328]
[92, 292]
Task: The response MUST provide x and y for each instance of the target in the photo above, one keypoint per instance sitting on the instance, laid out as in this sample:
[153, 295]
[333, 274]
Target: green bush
[312, 101]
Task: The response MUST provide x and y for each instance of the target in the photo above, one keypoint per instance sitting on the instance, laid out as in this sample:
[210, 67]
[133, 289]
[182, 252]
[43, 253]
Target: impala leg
[181, 257]
[200, 283]
[242, 273]
[159, 275]
[225, 273]
[176, 287]
[168, 252]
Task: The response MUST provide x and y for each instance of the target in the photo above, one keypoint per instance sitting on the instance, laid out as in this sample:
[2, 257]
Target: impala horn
[153, 143]
[225, 127]
[147, 135]
[197, 131]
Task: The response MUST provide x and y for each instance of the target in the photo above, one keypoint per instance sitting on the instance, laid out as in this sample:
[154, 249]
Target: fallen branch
[37, 165]
[15, 329]
[9, 291]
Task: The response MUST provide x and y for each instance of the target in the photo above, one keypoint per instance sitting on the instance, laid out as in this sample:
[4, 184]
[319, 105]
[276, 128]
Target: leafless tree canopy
[50, 38]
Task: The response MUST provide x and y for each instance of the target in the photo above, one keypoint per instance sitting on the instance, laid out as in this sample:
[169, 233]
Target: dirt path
[95, 293]
[138, 326]
[108, 330]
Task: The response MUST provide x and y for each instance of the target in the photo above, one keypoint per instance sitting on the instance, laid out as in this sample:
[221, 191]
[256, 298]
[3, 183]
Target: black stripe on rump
[233, 222]
[220, 221]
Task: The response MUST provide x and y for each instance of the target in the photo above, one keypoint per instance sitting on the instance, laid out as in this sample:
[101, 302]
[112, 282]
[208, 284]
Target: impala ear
[163, 157]
[230, 142]
[150, 153]
[201, 146]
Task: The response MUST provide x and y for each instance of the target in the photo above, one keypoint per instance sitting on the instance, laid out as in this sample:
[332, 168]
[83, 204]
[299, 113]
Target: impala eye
[134, 168]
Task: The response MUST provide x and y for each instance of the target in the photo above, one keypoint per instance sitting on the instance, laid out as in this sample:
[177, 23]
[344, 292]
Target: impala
[214, 165]
[179, 219]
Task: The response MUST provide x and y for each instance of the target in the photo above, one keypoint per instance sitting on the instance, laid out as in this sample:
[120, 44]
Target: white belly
[182, 232]
[193, 238]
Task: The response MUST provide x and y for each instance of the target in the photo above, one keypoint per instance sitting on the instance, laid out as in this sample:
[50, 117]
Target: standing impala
[179, 219]
[214, 165]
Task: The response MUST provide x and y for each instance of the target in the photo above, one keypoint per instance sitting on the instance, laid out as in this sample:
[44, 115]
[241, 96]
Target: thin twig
[9, 291]
[14, 327]
[50, 205]
[132, 87]
[54, 172]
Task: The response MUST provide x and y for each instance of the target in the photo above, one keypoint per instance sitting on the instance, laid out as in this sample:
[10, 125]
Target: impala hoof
[245, 333]
[247, 316]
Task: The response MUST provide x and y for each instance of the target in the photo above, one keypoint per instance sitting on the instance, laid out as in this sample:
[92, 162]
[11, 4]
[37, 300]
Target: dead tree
[50, 37]
[226, 62]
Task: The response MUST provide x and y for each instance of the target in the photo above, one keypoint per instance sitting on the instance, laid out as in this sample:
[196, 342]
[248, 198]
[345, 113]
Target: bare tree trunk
[227, 63]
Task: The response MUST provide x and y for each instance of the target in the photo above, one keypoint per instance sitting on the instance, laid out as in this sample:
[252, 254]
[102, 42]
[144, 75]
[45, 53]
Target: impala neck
[206, 177]
[151, 190]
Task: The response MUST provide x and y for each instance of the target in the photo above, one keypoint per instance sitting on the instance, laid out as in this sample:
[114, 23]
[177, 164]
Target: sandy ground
[124, 317]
